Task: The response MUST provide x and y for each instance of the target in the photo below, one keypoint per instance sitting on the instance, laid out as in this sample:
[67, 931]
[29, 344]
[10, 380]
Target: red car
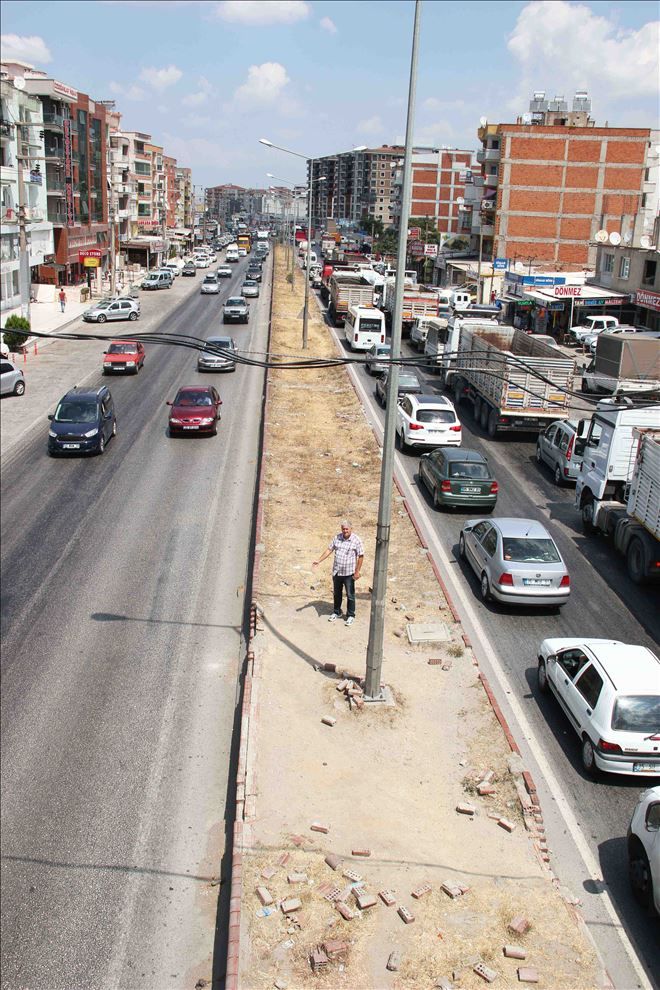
[123, 355]
[196, 409]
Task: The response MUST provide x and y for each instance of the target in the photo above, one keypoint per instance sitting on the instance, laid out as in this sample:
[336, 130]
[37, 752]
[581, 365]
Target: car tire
[539, 455]
[19, 388]
[588, 757]
[132, 316]
[114, 429]
[542, 675]
[476, 409]
[491, 426]
[485, 588]
[636, 563]
[437, 505]
[101, 446]
[639, 874]
[100, 318]
[558, 477]
[461, 547]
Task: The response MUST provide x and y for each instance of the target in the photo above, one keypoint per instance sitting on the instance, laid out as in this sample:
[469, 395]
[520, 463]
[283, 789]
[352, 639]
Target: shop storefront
[647, 309]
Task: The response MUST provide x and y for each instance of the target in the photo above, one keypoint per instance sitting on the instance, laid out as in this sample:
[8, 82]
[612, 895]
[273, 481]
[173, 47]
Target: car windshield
[215, 343]
[193, 399]
[435, 416]
[526, 550]
[468, 469]
[408, 381]
[637, 713]
[70, 411]
[122, 349]
[381, 351]
[103, 304]
[234, 302]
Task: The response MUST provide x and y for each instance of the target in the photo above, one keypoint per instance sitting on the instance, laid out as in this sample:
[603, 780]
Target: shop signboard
[431, 250]
[647, 299]
[500, 264]
[415, 233]
[90, 257]
[68, 173]
[567, 291]
[601, 302]
[416, 247]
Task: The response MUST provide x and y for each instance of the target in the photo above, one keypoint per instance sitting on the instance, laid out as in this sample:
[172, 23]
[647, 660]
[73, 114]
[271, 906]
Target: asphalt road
[122, 625]
[604, 603]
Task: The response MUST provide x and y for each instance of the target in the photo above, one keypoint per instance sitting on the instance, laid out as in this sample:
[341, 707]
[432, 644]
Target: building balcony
[488, 155]
[118, 158]
[54, 187]
[7, 129]
[491, 180]
[55, 121]
[57, 217]
[123, 214]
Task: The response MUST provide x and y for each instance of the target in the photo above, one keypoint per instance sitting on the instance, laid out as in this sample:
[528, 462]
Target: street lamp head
[322, 178]
[265, 141]
[360, 147]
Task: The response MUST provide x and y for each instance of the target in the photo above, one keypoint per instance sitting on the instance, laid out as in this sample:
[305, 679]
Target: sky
[208, 78]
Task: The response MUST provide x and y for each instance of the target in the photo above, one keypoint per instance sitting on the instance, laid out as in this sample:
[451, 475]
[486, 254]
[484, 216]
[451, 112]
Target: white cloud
[200, 96]
[25, 48]
[433, 103]
[131, 92]
[555, 40]
[254, 12]
[265, 85]
[435, 135]
[328, 25]
[372, 125]
[160, 78]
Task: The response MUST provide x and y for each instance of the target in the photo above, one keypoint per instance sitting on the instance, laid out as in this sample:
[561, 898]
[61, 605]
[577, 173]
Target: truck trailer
[625, 364]
[348, 289]
[514, 381]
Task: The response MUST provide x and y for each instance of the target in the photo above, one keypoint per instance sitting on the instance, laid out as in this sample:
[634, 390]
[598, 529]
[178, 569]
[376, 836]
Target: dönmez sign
[650, 300]
[567, 291]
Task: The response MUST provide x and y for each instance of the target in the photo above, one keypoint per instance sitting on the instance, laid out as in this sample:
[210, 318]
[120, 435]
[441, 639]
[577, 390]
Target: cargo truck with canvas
[420, 302]
[625, 364]
[348, 289]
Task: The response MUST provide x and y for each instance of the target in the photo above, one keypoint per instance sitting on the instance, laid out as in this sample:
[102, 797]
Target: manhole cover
[427, 632]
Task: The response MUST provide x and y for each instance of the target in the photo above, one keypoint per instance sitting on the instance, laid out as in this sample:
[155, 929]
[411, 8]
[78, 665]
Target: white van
[175, 266]
[232, 253]
[364, 326]
[313, 260]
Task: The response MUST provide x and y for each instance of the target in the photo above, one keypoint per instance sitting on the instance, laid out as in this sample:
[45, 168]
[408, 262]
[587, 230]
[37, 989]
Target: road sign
[431, 250]
[500, 264]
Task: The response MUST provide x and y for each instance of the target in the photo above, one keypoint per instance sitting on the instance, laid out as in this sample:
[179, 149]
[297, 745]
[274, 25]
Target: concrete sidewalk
[369, 835]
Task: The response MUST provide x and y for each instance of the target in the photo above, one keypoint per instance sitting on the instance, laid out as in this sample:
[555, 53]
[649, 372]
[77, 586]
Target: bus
[244, 242]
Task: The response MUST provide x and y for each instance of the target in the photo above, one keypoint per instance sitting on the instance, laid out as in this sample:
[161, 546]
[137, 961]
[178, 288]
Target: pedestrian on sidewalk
[347, 565]
[62, 298]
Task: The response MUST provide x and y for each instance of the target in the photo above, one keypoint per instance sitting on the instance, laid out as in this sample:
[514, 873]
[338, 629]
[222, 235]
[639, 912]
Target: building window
[143, 168]
[624, 267]
[648, 278]
[608, 264]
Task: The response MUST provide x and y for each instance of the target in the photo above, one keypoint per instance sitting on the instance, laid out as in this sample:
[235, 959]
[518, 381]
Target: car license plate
[71, 446]
[644, 768]
[190, 427]
[469, 491]
[536, 583]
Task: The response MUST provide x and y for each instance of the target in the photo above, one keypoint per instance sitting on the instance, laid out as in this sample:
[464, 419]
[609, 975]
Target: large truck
[347, 288]
[419, 303]
[625, 364]
[617, 491]
[513, 380]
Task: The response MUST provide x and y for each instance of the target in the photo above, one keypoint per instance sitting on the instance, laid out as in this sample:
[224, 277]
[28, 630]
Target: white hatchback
[610, 692]
[427, 421]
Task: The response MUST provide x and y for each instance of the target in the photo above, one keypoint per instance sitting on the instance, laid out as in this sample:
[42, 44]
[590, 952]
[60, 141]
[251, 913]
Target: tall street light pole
[372, 688]
[269, 144]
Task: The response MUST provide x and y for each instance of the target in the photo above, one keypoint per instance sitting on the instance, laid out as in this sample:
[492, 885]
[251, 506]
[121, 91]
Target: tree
[373, 225]
[388, 241]
[15, 332]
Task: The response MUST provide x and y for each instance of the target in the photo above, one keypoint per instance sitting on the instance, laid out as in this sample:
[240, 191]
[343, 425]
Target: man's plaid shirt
[347, 550]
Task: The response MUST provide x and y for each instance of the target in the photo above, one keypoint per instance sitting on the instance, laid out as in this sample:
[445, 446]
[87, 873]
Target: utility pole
[372, 688]
[481, 249]
[305, 332]
[23, 248]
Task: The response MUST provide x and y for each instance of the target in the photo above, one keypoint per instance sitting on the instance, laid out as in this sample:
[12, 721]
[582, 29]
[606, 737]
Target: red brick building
[552, 185]
[438, 183]
[171, 190]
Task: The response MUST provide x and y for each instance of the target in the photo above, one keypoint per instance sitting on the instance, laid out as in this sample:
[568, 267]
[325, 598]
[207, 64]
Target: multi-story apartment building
[281, 202]
[75, 151]
[634, 271]
[171, 191]
[22, 160]
[553, 179]
[184, 207]
[439, 177]
[222, 202]
[352, 185]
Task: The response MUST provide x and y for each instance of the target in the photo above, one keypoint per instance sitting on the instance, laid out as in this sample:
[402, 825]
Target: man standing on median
[346, 568]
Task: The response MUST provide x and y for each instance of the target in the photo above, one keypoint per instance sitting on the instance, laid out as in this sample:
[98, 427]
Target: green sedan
[458, 478]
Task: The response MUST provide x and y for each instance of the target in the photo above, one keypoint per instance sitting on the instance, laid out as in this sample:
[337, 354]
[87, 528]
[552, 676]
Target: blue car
[83, 422]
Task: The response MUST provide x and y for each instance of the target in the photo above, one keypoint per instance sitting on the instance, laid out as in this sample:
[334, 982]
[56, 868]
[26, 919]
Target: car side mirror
[653, 817]
[50, 416]
[551, 658]
[168, 403]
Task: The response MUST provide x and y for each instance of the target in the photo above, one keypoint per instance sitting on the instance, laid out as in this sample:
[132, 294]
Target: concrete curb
[245, 799]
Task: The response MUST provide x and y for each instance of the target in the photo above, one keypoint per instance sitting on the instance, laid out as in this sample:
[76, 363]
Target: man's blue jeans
[339, 582]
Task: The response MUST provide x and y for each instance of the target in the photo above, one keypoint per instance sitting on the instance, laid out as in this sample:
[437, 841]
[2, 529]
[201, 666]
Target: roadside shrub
[15, 332]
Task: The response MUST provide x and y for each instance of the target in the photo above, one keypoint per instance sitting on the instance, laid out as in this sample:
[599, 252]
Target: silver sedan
[250, 289]
[516, 560]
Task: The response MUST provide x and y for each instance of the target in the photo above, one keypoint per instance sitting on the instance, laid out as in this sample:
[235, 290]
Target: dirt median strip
[428, 787]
